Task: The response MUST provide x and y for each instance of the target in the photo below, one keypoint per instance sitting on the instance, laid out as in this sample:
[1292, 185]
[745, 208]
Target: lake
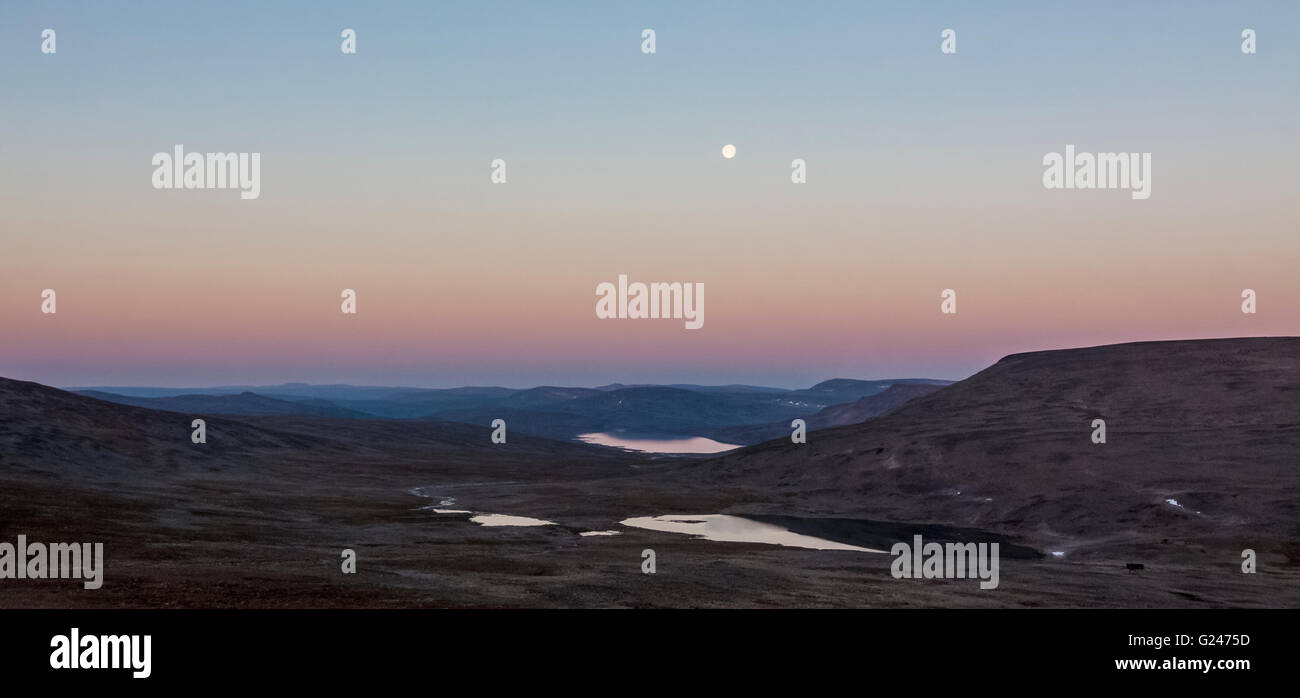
[657, 444]
[736, 529]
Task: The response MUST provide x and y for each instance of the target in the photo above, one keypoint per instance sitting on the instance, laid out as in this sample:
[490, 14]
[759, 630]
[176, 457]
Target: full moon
[728, 151]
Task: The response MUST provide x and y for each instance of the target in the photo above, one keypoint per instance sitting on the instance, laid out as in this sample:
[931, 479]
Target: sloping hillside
[246, 403]
[860, 410]
[1202, 443]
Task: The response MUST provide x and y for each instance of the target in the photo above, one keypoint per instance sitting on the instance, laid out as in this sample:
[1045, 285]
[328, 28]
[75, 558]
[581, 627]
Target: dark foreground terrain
[258, 515]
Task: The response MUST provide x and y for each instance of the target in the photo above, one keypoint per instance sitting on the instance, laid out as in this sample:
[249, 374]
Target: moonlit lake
[736, 529]
[651, 444]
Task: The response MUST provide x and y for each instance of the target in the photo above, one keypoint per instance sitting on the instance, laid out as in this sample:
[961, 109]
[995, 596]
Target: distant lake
[650, 443]
[736, 529]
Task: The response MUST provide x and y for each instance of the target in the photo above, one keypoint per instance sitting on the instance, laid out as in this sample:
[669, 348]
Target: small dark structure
[1134, 567]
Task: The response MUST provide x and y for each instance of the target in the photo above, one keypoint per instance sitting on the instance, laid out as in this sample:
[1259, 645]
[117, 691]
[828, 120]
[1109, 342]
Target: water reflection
[651, 444]
[508, 520]
[734, 529]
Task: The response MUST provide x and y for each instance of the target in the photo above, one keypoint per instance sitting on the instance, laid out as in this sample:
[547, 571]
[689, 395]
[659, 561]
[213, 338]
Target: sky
[924, 173]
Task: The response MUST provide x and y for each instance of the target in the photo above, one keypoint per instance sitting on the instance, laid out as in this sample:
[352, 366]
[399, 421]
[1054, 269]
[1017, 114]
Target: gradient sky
[924, 173]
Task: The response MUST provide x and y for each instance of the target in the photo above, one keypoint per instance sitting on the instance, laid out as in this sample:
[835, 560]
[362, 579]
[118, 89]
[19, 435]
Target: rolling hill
[1202, 447]
[76, 436]
[860, 410]
[246, 403]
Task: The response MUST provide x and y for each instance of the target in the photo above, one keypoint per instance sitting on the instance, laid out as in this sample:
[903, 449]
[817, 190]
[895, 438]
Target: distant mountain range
[72, 434]
[246, 403]
[745, 414]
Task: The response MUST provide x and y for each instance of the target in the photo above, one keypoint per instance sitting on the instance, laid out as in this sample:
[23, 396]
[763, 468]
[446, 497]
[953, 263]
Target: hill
[860, 410]
[1202, 439]
[246, 403]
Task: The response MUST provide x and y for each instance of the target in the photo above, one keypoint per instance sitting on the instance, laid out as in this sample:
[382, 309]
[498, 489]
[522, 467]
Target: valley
[259, 515]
